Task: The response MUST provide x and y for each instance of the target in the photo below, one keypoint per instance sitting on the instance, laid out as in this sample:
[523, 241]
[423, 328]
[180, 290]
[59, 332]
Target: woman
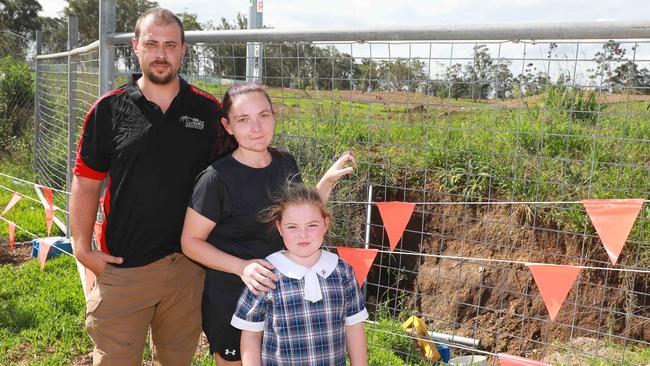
[221, 229]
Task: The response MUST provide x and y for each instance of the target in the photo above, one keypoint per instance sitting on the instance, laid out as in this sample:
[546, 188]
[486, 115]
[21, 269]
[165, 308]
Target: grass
[41, 313]
[27, 214]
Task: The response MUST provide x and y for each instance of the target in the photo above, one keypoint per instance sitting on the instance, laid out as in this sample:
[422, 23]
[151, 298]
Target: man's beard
[160, 79]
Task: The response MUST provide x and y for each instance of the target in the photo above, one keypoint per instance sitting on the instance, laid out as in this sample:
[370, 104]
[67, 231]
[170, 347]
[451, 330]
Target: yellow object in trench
[418, 327]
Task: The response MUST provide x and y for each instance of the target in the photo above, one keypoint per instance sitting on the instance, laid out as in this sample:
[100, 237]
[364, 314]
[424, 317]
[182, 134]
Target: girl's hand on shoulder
[341, 167]
[258, 276]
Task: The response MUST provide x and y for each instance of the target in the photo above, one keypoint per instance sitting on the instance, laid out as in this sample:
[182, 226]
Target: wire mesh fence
[466, 130]
[16, 89]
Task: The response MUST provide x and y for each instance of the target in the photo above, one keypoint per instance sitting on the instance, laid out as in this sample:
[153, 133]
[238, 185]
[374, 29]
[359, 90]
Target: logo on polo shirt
[191, 122]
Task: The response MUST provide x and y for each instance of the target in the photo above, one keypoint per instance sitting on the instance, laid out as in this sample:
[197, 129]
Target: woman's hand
[258, 276]
[340, 168]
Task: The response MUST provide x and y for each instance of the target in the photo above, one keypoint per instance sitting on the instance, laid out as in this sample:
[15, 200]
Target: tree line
[306, 65]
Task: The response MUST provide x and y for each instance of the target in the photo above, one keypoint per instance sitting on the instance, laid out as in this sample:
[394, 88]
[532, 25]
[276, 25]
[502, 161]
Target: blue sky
[359, 13]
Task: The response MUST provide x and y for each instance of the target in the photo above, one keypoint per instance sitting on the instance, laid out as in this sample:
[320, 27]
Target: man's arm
[355, 338]
[251, 348]
[84, 200]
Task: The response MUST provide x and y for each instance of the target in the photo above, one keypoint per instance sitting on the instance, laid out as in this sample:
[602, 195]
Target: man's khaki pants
[125, 302]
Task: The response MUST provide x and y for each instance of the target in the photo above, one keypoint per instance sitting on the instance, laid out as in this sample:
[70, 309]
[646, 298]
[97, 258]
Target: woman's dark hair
[226, 142]
[293, 194]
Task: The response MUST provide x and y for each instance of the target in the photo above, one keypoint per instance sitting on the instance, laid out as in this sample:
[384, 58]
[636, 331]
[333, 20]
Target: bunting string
[36, 236]
[486, 203]
[33, 183]
[57, 208]
[507, 261]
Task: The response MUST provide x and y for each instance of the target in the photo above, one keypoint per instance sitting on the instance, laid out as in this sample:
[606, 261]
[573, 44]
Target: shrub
[16, 99]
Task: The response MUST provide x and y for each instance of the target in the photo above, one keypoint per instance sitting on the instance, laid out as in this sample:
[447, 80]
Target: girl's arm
[355, 338]
[334, 173]
[256, 273]
[251, 348]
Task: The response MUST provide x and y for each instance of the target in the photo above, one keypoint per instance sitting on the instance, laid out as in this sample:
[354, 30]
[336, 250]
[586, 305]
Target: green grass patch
[41, 313]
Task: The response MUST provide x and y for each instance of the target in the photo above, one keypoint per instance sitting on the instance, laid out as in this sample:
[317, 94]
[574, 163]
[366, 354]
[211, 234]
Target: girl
[316, 310]
[221, 230]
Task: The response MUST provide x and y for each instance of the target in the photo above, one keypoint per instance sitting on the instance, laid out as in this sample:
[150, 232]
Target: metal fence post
[107, 20]
[254, 52]
[73, 40]
[37, 107]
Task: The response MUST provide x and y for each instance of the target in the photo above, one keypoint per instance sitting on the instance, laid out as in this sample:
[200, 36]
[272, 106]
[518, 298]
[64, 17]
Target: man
[150, 138]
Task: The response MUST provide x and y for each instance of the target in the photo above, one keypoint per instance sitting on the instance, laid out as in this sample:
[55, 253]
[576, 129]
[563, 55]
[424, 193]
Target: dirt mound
[499, 303]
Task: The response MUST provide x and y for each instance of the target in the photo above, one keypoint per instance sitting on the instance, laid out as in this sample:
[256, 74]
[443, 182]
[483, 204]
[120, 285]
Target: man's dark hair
[160, 15]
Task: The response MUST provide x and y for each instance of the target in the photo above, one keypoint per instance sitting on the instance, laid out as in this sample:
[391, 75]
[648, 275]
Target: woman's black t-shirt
[232, 194]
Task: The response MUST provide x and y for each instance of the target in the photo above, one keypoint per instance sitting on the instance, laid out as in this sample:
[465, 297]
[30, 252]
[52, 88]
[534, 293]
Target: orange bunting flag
[49, 209]
[396, 216]
[510, 360]
[613, 220]
[554, 283]
[360, 260]
[90, 281]
[43, 250]
[14, 199]
[12, 234]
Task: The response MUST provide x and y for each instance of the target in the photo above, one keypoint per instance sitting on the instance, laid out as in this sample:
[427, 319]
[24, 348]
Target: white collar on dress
[324, 267]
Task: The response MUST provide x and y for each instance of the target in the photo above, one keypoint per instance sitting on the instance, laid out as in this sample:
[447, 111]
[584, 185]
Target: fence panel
[494, 141]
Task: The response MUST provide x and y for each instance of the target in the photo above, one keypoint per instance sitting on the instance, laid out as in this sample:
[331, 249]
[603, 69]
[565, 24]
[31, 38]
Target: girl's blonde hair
[293, 194]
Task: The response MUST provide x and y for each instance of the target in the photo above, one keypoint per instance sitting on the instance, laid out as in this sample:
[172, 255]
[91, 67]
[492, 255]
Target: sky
[341, 14]
[372, 13]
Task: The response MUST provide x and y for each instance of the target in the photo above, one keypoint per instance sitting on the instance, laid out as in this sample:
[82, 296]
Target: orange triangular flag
[396, 216]
[49, 208]
[43, 249]
[14, 199]
[12, 234]
[613, 220]
[90, 280]
[359, 259]
[510, 360]
[554, 283]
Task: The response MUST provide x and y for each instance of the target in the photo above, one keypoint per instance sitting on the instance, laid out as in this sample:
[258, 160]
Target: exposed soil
[396, 97]
[21, 252]
[499, 303]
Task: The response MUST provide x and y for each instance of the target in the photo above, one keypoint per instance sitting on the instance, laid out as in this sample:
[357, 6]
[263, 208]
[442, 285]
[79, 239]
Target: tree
[87, 11]
[55, 34]
[458, 86]
[368, 75]
[612, 52]
[402, 74]
[18, 22]
[20, 16]
[478, 73]
[227, 60]
[629, 76]
[531, 81]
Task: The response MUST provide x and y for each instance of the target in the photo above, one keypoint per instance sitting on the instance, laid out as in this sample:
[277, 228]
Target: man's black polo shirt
[151, 160]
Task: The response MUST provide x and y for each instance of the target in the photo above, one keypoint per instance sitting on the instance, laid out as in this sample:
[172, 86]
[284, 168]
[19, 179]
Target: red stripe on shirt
[204, 94]
[80, 167]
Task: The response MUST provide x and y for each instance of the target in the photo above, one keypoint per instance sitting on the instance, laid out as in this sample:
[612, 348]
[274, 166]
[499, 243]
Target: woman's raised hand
[258, 276]
[342, 166]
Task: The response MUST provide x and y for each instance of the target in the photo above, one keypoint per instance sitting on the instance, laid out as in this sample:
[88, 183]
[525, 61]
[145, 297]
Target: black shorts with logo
[222, 337]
